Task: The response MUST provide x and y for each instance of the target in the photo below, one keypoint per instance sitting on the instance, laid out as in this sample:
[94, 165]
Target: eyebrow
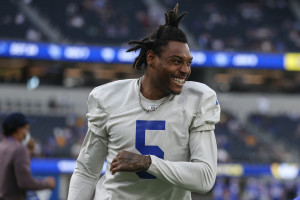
[190, 59]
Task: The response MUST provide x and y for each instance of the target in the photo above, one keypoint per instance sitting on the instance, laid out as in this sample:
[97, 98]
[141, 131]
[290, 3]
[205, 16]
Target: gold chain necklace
[151, 108]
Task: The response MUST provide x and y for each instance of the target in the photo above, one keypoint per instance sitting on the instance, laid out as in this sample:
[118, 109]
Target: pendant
[152, 108]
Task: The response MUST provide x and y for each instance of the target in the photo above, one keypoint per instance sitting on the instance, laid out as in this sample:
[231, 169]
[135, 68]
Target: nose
[185, 68]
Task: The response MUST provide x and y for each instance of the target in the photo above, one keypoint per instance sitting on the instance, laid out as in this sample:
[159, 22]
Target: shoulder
[20, 149]
[111, 88]
[197, 96]
[13, 148]
[112, 96]
[196, 88]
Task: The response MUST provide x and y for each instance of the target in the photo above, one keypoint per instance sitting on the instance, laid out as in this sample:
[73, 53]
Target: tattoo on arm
[130, 162]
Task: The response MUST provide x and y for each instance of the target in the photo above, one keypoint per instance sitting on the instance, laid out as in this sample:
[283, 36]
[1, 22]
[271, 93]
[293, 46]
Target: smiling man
[156, 132]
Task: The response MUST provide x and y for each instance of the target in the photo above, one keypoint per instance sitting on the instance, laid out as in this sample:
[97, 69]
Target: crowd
[284, 127]
[263, 26]
[94, 21]
[15, 25]
[255, 188]
[237, 144]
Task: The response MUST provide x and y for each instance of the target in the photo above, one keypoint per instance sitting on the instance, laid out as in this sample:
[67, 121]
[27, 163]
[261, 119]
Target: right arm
[25, 180]
[89, 166]
[92, 154]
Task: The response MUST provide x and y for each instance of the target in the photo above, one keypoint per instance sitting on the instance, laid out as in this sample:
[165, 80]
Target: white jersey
[179, 137]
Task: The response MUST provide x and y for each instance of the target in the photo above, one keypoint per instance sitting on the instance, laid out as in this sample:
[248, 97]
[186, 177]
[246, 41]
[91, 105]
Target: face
[172, 68]
[22, 132]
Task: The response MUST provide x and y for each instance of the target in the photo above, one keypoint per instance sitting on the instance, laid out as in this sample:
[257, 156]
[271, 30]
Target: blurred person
[252, 189]
[156, 132]
[219, 189]
[276, 190]
[234, 189]
[15, 149]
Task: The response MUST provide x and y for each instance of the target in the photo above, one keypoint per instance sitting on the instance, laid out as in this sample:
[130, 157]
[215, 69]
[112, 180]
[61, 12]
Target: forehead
[175, 48]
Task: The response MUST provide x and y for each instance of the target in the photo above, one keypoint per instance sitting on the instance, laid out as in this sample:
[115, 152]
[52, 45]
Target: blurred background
[53, 53]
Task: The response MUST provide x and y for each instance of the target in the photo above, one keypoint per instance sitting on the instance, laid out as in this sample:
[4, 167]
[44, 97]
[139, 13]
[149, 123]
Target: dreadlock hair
[159, 38]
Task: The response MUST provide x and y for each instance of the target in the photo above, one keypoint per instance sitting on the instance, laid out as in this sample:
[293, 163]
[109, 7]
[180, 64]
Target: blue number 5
[141, 127]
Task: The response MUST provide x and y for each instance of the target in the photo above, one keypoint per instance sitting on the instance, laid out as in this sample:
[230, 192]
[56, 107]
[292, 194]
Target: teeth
[179, 80]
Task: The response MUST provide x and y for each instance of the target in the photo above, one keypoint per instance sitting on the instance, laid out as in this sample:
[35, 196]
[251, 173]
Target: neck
[149, 89]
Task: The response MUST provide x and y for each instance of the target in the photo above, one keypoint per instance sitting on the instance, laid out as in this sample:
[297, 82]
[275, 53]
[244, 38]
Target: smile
[179, 80]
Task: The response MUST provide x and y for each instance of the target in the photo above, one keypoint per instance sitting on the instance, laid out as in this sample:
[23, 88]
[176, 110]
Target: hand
[30, 146]
[127, 161]
[51, 182]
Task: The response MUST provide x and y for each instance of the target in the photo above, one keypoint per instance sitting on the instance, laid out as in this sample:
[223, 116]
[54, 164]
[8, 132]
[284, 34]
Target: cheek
[23, 136]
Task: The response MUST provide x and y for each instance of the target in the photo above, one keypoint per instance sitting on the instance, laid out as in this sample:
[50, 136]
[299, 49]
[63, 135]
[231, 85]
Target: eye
[176, 62]
[189, 63]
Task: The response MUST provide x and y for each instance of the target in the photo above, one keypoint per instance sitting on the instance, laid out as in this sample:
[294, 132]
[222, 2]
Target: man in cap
[15, 174]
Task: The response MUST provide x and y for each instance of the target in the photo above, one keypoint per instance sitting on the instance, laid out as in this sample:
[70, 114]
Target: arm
[198, 175]
[25, 180]
[89, 166]
[92, 154]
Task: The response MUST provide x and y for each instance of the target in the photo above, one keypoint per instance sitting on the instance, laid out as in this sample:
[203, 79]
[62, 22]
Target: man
[15, 174]
[156, 133]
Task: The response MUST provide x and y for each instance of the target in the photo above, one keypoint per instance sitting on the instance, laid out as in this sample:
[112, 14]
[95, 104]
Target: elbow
[207, 181]
[206, 187]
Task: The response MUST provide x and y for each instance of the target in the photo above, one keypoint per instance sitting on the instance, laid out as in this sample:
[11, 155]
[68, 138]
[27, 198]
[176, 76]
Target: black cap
[13, 121]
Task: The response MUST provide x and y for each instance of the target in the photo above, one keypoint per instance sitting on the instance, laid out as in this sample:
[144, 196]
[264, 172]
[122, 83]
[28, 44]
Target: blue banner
[55, 166]
[277, 170]
[106, 54]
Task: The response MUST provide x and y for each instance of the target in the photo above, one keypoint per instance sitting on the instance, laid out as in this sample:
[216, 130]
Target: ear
[18, 134]
[150, 57]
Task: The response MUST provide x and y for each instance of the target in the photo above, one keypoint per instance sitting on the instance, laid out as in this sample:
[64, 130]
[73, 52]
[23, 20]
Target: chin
[176, 92]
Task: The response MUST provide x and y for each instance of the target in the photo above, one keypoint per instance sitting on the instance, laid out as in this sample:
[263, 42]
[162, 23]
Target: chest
[164, 132]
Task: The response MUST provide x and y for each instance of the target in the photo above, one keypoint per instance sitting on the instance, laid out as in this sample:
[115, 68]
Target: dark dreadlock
[159, 38]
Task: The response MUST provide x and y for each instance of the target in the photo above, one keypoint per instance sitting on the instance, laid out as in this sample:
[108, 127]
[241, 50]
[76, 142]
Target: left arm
[198, 175]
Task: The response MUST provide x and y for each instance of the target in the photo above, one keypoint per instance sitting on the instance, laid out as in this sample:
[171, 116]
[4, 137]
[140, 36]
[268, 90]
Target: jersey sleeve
[208, 113]
[92, 154]
[199, 174]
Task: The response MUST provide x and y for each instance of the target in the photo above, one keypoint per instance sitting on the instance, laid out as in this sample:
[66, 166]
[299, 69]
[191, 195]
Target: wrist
[148, 161]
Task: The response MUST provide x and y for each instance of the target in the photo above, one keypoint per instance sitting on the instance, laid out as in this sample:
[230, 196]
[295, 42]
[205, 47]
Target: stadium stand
[13, 23]
[282, 127]
[255, 188]
[264, 26]
[238, 144]
[94, 22]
